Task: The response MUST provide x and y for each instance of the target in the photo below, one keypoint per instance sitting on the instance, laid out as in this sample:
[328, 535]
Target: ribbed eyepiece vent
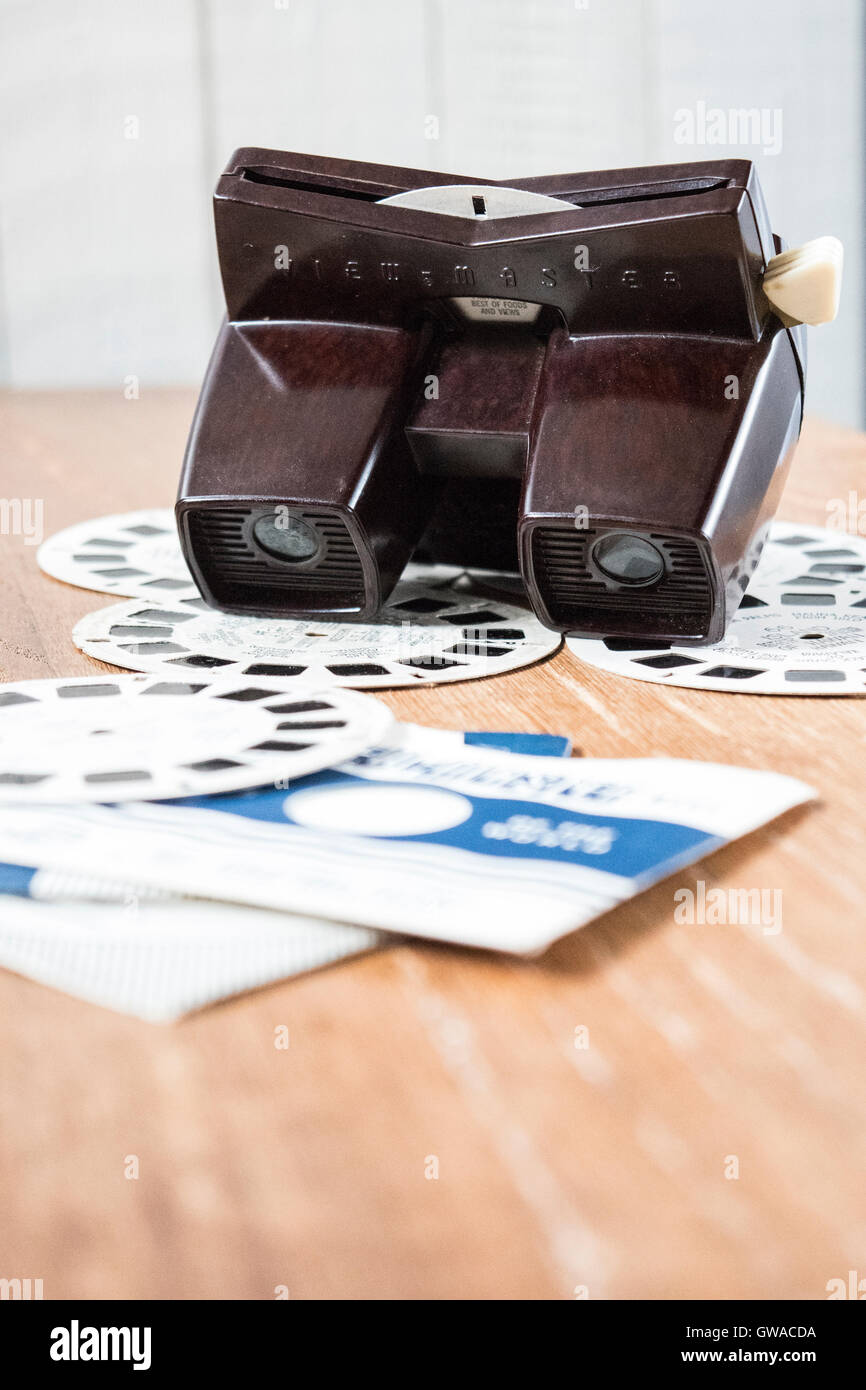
[678, 605]
[242, 577]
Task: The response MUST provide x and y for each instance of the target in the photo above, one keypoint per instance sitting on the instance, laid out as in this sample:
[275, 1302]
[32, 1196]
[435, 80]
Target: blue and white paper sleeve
[426, 836]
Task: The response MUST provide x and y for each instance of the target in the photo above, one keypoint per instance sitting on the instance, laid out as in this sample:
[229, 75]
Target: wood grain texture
[558, 1167]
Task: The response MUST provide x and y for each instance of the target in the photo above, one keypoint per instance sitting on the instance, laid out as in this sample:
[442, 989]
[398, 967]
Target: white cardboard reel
[426, 634]
[131, 554]
[801, 628]
[125, 738]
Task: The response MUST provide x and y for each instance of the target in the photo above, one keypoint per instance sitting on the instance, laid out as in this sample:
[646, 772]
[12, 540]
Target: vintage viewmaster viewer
[594, 378]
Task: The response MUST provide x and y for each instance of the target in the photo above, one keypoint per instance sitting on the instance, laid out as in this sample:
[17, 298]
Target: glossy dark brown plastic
[656, 393]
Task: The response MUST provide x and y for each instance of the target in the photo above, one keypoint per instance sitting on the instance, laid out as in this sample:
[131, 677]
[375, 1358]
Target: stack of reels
[227, 704]
[224, 704]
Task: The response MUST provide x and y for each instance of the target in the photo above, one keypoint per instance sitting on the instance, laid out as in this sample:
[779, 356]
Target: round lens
[628, 559]
[286, 537]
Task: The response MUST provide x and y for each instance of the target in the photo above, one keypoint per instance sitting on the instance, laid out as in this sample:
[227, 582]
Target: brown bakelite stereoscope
[596, 379]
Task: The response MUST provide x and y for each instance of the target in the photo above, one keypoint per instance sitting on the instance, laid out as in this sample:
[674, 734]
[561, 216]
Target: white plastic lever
[804, 283]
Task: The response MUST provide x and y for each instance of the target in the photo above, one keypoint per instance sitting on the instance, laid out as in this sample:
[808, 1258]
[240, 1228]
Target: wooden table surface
[560, 1168]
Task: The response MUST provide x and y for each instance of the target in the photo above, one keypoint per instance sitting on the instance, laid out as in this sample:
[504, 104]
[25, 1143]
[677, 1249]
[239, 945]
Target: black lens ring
[296, 543]
[640, 547]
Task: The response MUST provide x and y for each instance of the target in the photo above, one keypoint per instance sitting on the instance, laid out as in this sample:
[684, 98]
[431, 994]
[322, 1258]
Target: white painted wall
[107, 264]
